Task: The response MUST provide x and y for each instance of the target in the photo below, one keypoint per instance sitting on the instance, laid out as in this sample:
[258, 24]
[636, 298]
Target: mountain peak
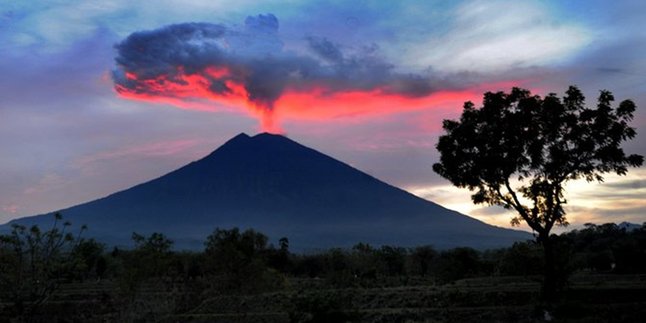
[277, 186]
[245, 148]
[261, 137]
[267, 135]
[239, 137]
[257, 141]
[267, 138]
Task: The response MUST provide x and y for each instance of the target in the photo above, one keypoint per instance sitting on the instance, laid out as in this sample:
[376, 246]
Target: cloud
[325, 49]
[208, 66]
[48, 182]
[628, 184]
[618, 199]
[156, 149]
[10, 208]
[497, 36]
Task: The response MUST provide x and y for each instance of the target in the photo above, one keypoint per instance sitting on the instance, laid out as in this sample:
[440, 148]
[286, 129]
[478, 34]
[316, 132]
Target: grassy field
[588, 298]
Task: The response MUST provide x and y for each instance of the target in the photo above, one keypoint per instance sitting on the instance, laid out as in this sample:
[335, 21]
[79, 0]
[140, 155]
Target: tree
[147, 265]
[34, 263]
[279, 259]
[239, 259]
[156, 243]
[150, 258]
[457, 263]
[422, 258]
[89, 255]
[518, 150]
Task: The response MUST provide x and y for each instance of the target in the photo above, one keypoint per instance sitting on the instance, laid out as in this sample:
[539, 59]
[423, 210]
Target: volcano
[282, 189]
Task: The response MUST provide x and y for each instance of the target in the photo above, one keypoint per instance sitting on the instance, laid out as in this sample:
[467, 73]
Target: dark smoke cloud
[325, 49]
[255, 57]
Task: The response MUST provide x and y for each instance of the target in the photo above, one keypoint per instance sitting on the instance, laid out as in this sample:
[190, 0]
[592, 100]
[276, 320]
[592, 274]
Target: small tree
[149, 259]
[147, 265]
[34, 263]
[518, 150]
[238, 258]
[422, 258]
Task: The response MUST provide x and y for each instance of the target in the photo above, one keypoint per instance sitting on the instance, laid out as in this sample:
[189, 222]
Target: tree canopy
[518, 150]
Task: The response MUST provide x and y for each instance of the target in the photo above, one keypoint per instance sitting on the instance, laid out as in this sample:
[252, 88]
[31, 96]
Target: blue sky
[67, 136]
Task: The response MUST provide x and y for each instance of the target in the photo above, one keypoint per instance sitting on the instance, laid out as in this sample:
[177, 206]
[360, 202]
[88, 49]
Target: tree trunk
[549, 288]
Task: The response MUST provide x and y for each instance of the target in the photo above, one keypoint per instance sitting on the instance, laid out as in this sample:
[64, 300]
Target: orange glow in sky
[197, 91]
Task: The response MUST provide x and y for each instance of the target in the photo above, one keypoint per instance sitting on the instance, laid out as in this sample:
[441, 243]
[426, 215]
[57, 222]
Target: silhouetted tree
[283, 243]
[609, 248]
[149, 259]
[156, 243]
[518, 150]
[144, 266]
[238, 258]
[34, 263]
[309, 265]
[89, 255]
[393, 259]
[279, 259]
[365, 263]
[522, 258]
[422, 258]
[338, 269]
[457, 263]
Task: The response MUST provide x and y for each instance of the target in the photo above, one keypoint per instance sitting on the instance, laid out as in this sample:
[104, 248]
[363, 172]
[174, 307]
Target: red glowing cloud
[195, 92]
[318, 104]
[210, 67]
[188, 91]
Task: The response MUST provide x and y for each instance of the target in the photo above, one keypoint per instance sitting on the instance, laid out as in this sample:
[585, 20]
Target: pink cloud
[163, 148]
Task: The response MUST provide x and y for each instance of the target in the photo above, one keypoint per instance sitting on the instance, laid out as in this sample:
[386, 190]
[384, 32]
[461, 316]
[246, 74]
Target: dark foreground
[53, 276]
[588, 298]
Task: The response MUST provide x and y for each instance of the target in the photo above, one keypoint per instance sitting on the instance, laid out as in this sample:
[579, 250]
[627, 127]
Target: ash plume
[247, 65]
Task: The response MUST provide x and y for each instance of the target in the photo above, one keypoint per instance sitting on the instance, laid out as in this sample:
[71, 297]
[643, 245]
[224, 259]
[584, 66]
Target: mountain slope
[281, 188]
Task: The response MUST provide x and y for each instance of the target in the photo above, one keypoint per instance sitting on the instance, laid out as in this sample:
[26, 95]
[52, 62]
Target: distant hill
[629, 226]
[281, 188]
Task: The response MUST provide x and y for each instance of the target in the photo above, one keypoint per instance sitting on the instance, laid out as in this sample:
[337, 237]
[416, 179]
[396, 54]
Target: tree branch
[521, 209]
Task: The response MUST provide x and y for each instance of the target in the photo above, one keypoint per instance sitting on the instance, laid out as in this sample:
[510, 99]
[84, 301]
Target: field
[588, 298]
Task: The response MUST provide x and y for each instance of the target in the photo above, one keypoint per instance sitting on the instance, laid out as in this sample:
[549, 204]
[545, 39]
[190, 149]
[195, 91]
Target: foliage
[34, 263]
[422, 259]
[609, 248]
[238, 260]
[156, 243]
[518, 150]
[522, 258]
[152, 282]
[280, 259]
[90, 259]
[541, 143]
[458, 263]
[150, 258]
[394, 259]
[148, 264]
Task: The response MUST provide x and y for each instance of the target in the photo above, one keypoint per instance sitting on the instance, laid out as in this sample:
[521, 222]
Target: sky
[98, 96]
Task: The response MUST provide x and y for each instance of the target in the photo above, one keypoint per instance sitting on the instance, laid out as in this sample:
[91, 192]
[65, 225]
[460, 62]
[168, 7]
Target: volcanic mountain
[283, 189]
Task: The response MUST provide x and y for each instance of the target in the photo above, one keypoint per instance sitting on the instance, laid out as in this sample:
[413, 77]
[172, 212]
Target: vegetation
[33, 264]
[518, 150]
[240, 276]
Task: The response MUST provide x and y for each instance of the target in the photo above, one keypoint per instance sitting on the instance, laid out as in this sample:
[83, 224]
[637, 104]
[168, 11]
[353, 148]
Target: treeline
[34, 264]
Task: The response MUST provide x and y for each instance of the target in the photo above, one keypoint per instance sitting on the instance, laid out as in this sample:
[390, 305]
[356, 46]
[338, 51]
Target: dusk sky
[97, 96]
